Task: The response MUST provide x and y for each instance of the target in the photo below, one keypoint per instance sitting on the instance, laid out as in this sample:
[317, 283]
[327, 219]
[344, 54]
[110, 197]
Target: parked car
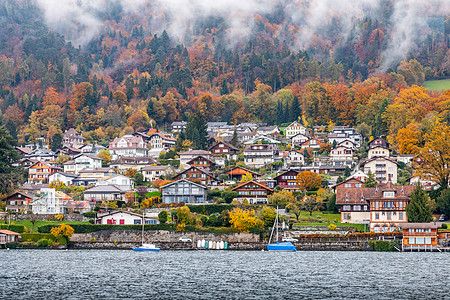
[289, 239]
[184, 239]
[442, 218]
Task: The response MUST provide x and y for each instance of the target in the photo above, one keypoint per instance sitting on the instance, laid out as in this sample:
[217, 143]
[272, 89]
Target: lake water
[42, 274]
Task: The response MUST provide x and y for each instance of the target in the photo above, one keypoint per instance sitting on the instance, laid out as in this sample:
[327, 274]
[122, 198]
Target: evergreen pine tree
[56, 142]
[347, 172]
[279, 113]
[370, 181]
[196, 131]
[418, 210]
[224, 88]
[150, 109]
[10, 177]
[295, 109]
[234, 140]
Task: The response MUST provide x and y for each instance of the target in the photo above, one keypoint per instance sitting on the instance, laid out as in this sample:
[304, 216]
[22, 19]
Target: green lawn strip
[437, 85]
[34, 228]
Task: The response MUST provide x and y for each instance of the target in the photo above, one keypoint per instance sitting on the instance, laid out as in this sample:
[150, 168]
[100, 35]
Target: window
[428, 241]
[389, 194]
[400, 216]
[377, 216]
[357, 207]
[420, 240]
[389, 216]
[411, 230]
[122, 222]
[137, 221]
[411, 240]
[400, 204]
[377, 228]
[428, 230]
[377, 204]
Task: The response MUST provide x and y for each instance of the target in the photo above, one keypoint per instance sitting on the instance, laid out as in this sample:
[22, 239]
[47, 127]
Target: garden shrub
[44, 243]
[15, 228]
[90, 214]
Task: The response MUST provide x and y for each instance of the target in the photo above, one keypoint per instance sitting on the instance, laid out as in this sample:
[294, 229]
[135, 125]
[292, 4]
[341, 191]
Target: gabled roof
[195, 168]
[365, 161]
[131, 160]
[21, 193]
[48, 164]
[345, 181]
[24, 150]
[102, 189]
[8, 232]
[253, 182]
[110, 213]
[65, 174]
[240, 171]
[96, 170]
[291, 170]
[155, 168]
[354, 195]
[226, 144]
[196, 152]
[184, 180]
[199, 156]
[88, 155]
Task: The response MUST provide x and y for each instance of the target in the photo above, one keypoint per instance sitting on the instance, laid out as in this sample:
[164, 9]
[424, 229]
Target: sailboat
[145, 247]
[279, 247]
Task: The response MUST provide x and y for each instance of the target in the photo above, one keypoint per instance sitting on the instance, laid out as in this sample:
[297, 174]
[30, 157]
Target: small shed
[8, 236]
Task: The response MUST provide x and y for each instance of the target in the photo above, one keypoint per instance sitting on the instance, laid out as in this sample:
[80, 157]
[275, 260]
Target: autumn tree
[63, 230]
[247, 177]
[408, 139]
[413, 72]
[311, 204]
[244, 220]
[435, 156]
[105, 155]
[294, 208]
[267, 215]
[281, 198]
[308, 181]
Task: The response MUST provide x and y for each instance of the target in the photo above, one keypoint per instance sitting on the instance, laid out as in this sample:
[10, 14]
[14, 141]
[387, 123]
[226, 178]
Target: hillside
[108, 68]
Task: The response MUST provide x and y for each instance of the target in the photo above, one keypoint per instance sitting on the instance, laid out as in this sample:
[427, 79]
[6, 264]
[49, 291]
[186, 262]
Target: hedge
[34, 237]
[209, 209]
[15, 228]
[384, 246]
[87, 228]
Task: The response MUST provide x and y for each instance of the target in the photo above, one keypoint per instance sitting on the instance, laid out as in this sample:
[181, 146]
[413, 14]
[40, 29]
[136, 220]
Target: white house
[72, 138]
[82, 161]
[151, 173]
[259, 155]
[384, 168]
[295, 158]
[378, 151]
[120, 217]
[405, 158]
[128, 145]
[51, 202]
[348, 143]
[104, 192]
[65, 178]
[342, 153]
[123, 182]
[299, 139]
[294, 129]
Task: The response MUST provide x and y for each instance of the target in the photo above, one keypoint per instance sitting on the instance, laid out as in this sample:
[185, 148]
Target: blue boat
[279, 247]
[145, 247]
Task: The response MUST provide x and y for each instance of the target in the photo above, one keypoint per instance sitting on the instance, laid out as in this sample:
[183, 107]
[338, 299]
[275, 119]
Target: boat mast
[276, 220]
[143, 228]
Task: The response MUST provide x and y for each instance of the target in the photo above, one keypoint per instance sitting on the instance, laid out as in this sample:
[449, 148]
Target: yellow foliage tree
[105, 155]
[247, 177]
[56, 184]
[308, 181]
[63, 230]
[244, 220]
[408, 139]
[435, 156]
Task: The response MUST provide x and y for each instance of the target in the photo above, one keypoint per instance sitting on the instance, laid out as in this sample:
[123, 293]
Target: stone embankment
[169, 240]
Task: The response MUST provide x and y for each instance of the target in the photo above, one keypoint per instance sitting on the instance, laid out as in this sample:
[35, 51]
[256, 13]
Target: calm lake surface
[42, 274]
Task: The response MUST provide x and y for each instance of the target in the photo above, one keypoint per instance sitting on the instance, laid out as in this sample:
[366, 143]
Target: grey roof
[155, 168]
[96, 170]
[101, 189]
[184, 180]
[66, 174]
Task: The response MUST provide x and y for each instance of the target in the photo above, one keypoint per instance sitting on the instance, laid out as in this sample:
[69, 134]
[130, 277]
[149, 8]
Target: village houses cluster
[268, 156]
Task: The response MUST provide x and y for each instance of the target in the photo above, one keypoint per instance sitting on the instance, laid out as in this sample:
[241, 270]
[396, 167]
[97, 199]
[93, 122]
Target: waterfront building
[120, 217]
[52, 202]
[419, 236]
[8, 236]
[183, 191]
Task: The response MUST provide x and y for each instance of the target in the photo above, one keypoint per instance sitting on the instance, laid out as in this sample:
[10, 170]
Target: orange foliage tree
[308, 181]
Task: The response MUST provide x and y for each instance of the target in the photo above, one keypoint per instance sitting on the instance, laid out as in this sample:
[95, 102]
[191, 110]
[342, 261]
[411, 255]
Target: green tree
[443, 202]
[234, 139]
[224, 88]
[56, 142]
[331, 204]
[138, 179]
[294, 208]
[418, 209]
[311, 204]
[347, 172]
[162, 217]
[196, 131]
[370, 181]
[10, 177]
[228, 195]
[267, 215]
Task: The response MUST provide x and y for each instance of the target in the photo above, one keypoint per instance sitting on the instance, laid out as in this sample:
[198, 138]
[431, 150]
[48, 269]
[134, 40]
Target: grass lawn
[34, 229]
[437, 85]
[320, 218]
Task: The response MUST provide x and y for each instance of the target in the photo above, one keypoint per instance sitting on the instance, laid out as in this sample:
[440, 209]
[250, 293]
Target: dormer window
[388, 194]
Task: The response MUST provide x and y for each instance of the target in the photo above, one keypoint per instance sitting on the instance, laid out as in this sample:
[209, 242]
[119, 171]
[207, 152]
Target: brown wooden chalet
[287, 180]
[202, 162]
[378, 142]
[17, 202]
[254, 192]
[69, 151]
[197, 175]
[237, 172]
[223, 148]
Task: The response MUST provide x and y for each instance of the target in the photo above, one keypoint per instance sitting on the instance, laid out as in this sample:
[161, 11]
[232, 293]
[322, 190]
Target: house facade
[129, 162]
[295, 158]
[378, 151]
[224, 149]
[178, 126]
[82, 161]
[201, 162]
[183, 191]
[352, 204]
[123, 182]
[287, 180]
[52, 202]
[17, 202]
[254, 192]
[104, 192]
[299, 139]
[128, 145]
[72, 138]
[197, 174]
[259, 155]
[151, 173]
[66, 178]
[120, 217]
[39, 172]
[236, 173]
[419, 236]
[342, 153]
[191, 154]
[384, 168]
[294, 129]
